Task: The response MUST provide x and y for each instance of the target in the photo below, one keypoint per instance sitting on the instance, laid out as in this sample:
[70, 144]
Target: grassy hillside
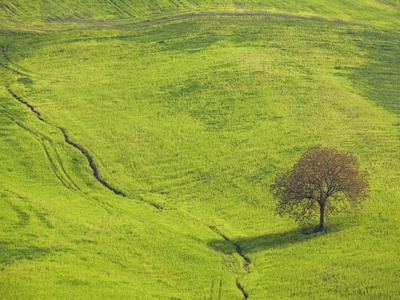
[187, 117]
[64, 236]
[49, 14]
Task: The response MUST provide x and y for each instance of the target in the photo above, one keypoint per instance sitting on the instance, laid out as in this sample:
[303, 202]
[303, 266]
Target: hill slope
[184, 120]
[49, 13]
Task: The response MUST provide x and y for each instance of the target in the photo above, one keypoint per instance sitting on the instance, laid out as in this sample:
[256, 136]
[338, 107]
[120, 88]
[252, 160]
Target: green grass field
[187, 110]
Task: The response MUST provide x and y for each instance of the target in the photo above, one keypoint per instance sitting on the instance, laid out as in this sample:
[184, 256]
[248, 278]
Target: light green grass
[79, 241]
[51, 14]
[196, 116]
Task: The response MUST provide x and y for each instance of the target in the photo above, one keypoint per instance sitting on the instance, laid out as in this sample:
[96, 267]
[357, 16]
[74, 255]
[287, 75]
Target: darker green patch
[203, 177]
[11, 253]
[393, 3]
[222, 246]
[23, 217]
[214, 117]
[42, 217]
[10, 111]
[72, 281]
[86, 241]
[249, 245]
[214, 112]
[25, 80]
[380, 77]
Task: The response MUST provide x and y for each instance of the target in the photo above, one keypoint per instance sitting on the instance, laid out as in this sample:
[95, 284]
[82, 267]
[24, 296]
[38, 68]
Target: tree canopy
[324, 181]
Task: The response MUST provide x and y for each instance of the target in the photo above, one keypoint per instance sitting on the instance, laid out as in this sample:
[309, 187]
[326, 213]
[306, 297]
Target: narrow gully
[88, 157]
[246, 260]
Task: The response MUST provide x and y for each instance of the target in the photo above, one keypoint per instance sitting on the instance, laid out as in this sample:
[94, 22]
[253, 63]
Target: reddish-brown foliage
[323, 181]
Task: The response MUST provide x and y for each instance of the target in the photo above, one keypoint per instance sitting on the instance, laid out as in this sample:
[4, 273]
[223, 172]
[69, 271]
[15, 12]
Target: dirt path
[170, 19]
[129, 24]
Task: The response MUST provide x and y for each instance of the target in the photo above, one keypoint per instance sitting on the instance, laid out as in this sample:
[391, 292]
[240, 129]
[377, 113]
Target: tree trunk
[321, 216]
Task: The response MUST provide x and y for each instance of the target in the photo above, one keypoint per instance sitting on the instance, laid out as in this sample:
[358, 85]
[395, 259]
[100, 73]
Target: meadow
[188, 109]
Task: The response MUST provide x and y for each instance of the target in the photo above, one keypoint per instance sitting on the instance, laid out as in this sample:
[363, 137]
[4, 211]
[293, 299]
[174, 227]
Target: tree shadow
[249, 245]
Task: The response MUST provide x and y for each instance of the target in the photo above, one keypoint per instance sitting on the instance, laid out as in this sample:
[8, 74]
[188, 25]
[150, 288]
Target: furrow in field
[122, 10]
[56, 171]
[239, 286]
[11, 70]
[90, 160]
[37, 114]
[87, 155]
[57, 165]
[246, 260]
[52, 155]
[176, 184]
[16, 69]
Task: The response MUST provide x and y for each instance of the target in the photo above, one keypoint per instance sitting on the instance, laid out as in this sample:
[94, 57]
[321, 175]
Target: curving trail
[4, 50]
[188, 16]
[92, 165]
[126, 24]
[239, 286]
[87, 155]
[95, 173]
[37, 114]
[246, 260]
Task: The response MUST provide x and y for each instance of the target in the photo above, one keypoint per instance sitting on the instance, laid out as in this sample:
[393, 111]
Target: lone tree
[324, 181]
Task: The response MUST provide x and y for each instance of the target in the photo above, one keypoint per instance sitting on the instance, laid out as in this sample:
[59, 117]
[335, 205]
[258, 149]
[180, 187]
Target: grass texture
[187, 110]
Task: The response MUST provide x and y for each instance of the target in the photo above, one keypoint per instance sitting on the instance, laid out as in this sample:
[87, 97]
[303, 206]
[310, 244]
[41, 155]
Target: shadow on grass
[248, 245]
[11, 253]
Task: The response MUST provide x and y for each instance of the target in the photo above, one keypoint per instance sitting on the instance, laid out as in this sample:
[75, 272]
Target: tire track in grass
[12, 70]
[4, 51]
[119, 7]
[161, 20]
[238, 250]
[214, 290]
[87, 155]
[189, 16]
[84, 152]
[51, 153]
[54, 168]
[57, 166]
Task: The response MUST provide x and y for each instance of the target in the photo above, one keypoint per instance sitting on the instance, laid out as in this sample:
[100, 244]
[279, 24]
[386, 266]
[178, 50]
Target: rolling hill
[139, 139]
